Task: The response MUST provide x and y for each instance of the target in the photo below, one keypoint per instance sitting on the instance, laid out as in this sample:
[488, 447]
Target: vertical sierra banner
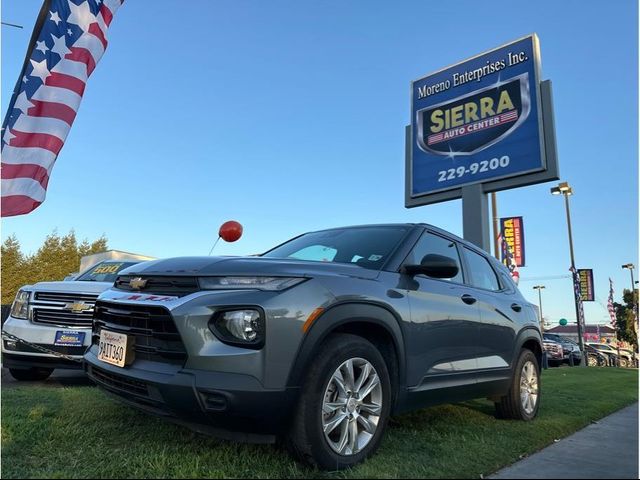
[477, 121]
[512, 232]
[585, 276]
[68, 40]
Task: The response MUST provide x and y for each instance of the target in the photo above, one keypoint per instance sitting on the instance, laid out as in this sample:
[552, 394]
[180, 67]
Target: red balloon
[230, 231]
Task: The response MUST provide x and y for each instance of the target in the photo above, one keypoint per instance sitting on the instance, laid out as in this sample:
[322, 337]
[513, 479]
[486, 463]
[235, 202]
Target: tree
[12, 273]
[626, 317]
[54, 260]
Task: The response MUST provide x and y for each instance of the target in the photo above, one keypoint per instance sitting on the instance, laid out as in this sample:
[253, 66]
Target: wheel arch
[372, 321]
[531, 339]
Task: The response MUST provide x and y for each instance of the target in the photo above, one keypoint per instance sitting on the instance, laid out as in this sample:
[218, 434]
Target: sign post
[480, 126]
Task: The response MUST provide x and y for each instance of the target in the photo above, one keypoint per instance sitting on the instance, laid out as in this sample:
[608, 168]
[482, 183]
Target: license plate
[69, 338]
[116, 348]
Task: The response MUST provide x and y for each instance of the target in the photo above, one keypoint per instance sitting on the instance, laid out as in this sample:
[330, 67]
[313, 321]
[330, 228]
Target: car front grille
[155, 332]
[55, 308]
[177, 286]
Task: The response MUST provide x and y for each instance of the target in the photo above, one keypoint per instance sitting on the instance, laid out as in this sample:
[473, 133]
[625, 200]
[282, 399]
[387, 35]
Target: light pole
[564, 189]
[539, 288]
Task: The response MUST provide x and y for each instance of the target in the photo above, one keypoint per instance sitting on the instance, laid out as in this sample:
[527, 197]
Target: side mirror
[433, 265]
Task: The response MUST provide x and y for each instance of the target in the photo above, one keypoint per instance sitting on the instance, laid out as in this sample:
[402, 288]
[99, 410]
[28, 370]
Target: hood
[72, 287]
[229, 266]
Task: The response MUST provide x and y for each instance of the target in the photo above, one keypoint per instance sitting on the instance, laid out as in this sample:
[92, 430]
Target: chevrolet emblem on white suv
[77, 307]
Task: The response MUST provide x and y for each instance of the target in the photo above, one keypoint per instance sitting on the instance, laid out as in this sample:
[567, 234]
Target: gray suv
[319, 340]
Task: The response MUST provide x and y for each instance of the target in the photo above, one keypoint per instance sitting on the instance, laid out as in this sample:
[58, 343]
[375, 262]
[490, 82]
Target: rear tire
[593, 361]
[623, 363]
[522, 401]
[30, 374]
[353, 418]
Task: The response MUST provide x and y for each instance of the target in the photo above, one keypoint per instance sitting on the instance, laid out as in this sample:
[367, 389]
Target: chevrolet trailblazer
[319, 340]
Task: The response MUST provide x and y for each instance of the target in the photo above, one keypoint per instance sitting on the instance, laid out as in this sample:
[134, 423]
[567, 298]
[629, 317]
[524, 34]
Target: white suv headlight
[20, 307]
[272, 284]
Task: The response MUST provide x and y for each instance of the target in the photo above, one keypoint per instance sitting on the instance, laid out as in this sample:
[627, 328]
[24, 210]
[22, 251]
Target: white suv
[56, 316]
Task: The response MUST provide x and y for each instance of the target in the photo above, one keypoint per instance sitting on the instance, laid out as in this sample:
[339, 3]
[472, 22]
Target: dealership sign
[512, 231]
[585, 277]
[478, 121]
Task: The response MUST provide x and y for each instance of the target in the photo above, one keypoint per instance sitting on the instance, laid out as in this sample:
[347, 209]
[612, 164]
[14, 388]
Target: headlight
[20, 307]
[271, 284]
[242, 327]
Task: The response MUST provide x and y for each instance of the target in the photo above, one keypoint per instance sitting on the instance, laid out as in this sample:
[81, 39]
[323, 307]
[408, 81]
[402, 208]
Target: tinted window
[482, 275]
[430, 243]
[368, 247]
[104, 272]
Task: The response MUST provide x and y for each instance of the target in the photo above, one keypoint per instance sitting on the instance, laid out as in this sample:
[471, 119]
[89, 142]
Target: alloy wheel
[529, 387]
[352, 406]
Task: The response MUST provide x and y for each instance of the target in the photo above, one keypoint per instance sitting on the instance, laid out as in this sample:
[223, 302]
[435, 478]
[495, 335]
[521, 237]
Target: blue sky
[289, 116]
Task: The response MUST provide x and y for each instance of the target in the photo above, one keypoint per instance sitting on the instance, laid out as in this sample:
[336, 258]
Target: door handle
[468, 299]
[516, 308]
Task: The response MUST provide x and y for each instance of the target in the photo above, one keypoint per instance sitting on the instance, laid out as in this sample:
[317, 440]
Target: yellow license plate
[116, 348]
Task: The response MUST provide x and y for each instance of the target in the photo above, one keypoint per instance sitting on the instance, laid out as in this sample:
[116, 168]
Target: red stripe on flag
[18, 205]
[79, 54]
[53, 110]
[39, 140]
[95, 29]
[107, 16]
[65, 81]
[26, 170]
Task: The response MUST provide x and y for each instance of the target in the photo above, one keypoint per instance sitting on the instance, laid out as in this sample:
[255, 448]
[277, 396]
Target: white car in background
[57, 316]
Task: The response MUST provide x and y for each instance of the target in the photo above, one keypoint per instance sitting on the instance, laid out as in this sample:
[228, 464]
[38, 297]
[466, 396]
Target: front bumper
[20, 355]
[228, 405]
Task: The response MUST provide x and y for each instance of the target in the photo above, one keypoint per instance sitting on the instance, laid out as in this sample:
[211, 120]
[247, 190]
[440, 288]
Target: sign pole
[496, 233]
[475, 216]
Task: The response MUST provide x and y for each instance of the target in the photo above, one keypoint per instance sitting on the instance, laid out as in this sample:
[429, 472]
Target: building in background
[592, 333]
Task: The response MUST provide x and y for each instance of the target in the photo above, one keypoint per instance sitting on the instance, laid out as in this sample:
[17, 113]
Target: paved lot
[59, 378]
[606, 449]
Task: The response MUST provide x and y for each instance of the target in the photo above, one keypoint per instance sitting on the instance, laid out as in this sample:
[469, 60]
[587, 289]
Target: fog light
[239, 327]
[10, 345]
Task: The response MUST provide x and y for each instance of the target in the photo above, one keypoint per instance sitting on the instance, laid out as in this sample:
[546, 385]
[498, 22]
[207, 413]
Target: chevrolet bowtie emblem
[137, 283]
[77, 307]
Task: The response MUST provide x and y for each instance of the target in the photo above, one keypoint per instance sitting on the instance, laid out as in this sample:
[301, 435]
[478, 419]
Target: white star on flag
[55, 17]
[42, 47]
[59, 46]
[69, 32]
[22, 103]
[81, 15]
[40, 70]
[25, 79]
[8, 135]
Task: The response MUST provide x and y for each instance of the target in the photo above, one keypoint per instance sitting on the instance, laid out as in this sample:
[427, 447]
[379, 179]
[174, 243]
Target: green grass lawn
[79, 432]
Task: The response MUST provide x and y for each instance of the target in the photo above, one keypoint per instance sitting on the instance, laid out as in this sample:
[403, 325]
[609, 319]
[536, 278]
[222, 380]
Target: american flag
[610, 306]
[69, 39]
[509, 260]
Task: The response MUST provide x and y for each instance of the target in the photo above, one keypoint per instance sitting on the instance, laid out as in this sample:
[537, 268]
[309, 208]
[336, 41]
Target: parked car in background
[571, 354]
[595, 358]
[620, 357]
[555, 354]
[611, 354]
[319, 340]
[633, 356]
[56, 316]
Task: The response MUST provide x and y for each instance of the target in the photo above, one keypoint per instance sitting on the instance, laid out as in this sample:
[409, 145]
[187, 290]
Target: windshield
[104, 272]
[368, 247]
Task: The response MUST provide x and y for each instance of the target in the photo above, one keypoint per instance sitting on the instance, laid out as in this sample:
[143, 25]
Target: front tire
[522, 401]
[344, 404]
[30, 374]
